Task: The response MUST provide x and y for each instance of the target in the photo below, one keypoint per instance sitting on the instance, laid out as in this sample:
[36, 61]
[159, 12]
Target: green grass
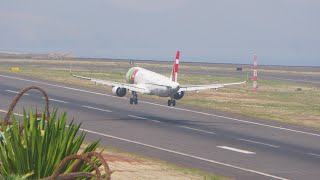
[276, 100]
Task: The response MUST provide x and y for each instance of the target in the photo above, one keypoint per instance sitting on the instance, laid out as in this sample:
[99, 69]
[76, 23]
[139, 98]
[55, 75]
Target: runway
[226, 144]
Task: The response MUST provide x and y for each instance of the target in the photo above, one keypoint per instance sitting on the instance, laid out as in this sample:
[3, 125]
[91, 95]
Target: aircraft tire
[169, 102]
[173, 102]
[131, 100]
[135, 101]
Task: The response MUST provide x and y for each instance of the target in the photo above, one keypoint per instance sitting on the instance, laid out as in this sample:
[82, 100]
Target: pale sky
[281, 32]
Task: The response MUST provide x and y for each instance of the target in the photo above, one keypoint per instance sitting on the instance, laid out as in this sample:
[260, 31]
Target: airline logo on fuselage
[131, 75]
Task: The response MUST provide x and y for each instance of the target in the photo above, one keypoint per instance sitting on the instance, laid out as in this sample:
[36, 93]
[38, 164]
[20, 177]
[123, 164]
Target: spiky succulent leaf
[40, 146]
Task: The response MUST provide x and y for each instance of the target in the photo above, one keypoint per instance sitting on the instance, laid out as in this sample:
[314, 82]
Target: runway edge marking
[203, 113]
[3, 111]
[16, 92]
[312, 154]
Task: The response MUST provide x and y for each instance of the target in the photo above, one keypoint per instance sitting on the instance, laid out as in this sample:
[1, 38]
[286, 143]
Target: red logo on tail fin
[178, 54]
[175, 68]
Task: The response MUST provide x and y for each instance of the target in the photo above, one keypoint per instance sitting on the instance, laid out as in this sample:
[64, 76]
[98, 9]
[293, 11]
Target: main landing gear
[134, 98]
[171, 101]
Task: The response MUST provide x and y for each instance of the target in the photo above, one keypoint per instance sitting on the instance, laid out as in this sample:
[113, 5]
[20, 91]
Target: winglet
[175, 69]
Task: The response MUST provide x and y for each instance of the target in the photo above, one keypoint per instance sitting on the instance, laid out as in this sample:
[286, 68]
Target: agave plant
[38, 146]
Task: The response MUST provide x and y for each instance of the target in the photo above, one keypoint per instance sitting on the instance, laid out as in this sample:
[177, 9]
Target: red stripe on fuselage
[134, 75]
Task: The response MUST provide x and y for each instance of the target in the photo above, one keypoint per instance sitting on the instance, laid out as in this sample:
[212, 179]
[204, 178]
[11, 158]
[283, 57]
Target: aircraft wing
[205, 87]
[131, 87]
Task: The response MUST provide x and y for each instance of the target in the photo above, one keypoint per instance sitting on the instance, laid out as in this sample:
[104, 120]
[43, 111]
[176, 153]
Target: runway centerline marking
[137, 117]
[200, 130]
[185, 154]
[89, 107]
[256, 142]
[16, 92]
[197, 112]
[236, 150]
[56, 100]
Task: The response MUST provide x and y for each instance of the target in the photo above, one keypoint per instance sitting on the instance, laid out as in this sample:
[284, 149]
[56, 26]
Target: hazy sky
[282, 32]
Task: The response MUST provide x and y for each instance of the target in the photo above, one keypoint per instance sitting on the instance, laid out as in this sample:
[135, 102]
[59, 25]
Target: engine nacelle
[119, 91]
[178, 95]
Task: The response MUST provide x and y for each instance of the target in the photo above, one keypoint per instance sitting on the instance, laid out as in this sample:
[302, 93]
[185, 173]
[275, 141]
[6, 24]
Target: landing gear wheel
[169, 102]
[173, 102]
[134, 98]
[131, 100]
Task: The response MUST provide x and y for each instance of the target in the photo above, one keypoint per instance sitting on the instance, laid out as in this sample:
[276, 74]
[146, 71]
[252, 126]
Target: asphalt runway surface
[226, 144]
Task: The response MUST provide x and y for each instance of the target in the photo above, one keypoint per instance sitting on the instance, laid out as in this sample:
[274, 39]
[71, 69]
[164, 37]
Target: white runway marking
[236, 150]
[137, 117]
[186, 155]
[256, 142]
[16, 92]
[312, 154]
[89, 107]
[213, 115]
[179, 153]
[56, 100]
[194, 129]
[13, 113]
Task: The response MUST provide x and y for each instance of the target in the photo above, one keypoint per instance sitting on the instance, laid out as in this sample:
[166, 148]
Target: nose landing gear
[134, 98]
[171, 101]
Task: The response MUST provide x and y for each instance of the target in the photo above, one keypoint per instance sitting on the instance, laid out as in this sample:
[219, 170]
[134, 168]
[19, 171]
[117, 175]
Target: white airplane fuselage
[156, 84]
[143, 81]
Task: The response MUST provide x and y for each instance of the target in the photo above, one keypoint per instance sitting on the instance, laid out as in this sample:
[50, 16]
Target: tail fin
[174, 73]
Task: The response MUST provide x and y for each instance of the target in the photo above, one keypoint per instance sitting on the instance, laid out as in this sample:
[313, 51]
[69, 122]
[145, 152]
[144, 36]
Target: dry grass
[127, 165]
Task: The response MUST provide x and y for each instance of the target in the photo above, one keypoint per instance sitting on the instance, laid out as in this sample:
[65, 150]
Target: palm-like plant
[38, 146]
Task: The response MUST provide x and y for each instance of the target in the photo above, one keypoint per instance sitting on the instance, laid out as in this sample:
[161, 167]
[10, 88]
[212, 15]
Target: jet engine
[119, 91]
[178, 95]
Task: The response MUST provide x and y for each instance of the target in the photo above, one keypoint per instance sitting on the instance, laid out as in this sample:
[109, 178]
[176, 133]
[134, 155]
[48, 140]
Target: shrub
[36, 147]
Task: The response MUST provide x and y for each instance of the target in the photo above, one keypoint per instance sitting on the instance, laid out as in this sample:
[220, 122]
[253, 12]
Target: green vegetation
[276, 100]
[35, 149]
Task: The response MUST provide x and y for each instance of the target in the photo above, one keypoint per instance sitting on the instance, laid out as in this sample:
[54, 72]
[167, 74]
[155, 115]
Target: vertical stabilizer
[174, 73]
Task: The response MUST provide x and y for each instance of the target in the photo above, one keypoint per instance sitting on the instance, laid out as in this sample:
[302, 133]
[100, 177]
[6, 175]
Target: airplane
[140, 80]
